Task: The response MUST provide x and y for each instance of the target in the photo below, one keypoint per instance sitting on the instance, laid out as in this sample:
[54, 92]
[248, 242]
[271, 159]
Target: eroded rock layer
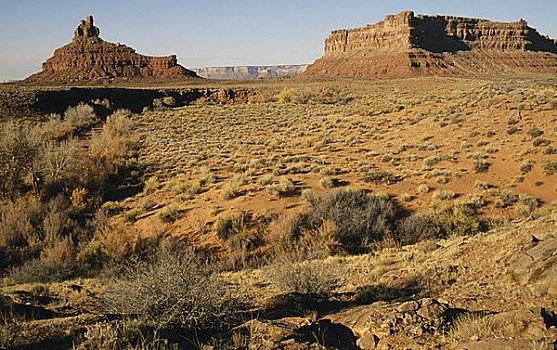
[89, 58]
[408, 45]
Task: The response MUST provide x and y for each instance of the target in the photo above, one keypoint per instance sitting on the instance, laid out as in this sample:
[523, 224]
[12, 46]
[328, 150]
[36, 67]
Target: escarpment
[89, 59]
[407, 45]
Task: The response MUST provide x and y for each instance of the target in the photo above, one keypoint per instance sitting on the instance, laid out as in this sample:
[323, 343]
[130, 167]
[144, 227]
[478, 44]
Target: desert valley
[398, 193]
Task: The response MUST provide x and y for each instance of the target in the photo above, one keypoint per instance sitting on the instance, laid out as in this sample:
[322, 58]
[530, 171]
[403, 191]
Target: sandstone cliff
[88, 58]
[407, 45]
[251, 72]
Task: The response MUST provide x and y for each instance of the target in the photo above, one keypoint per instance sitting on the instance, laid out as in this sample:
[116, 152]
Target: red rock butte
[88, 58]
[405, 45]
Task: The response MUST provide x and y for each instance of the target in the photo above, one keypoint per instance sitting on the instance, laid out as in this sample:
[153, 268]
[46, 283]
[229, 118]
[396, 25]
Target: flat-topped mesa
[405, 31]
[407, 45]
[88, 58]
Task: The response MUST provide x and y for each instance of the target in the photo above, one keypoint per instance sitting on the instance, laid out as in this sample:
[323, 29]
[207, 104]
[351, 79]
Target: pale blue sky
[218, 32]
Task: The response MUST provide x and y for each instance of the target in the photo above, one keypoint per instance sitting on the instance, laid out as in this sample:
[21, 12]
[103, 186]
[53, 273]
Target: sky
[223, 33]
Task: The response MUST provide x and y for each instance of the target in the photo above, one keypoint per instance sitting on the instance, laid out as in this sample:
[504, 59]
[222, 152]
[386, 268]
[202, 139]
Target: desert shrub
[60, 164]
[114, 141]
[175, 288]
[506, 198]
[549, 167]
[19, 149]
[301, 271]
[287, 95]
[112, 208]
[231, 190]
[431, 161]
[381, 292]
[443, 195]
[207, 176]
[169, 214]
[526, 167]
[115, 243]
[539, 141]
[475, 324]
[535, 132]
[360, 218]
[284, 187]
[184, 187]
[442, 179]
[458, 219]
[169, 101]
[482, 185]
[512, 130]
[332, 96]
[80, 116]
[11, 328]
[265, 180]
[151, 185]
[57, 263]
[20, 230]
[415, 228]
[127, 334]
[512, 121]
[378, 177]
[550, 150]
[237, 223]
[159, 105]
[475, 201]
[327, 182]
[423, 188]
[481, 166]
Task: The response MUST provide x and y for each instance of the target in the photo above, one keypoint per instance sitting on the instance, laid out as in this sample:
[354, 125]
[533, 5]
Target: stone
[408, 306]
[368, 341]
[88, 59]
[406, 45]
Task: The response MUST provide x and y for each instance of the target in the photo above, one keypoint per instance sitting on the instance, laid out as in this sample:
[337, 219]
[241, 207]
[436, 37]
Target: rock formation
[251, 72]
[406, 45]
[88, 58]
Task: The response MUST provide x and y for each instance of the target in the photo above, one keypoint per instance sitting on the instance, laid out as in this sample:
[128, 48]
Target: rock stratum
[251, 72]
[88, 58]
[406, 45]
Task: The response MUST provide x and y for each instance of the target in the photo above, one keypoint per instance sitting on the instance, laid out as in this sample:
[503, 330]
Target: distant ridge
[405, 45]
[251, 72]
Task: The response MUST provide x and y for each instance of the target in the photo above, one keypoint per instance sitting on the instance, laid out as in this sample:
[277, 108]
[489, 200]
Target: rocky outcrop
[251, 72]
[89, 58]
[407, 45]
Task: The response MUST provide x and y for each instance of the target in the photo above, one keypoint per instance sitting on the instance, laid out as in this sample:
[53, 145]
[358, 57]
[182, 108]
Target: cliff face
[251, 72]
[407, 45]
[89, 58]
[390, 35]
